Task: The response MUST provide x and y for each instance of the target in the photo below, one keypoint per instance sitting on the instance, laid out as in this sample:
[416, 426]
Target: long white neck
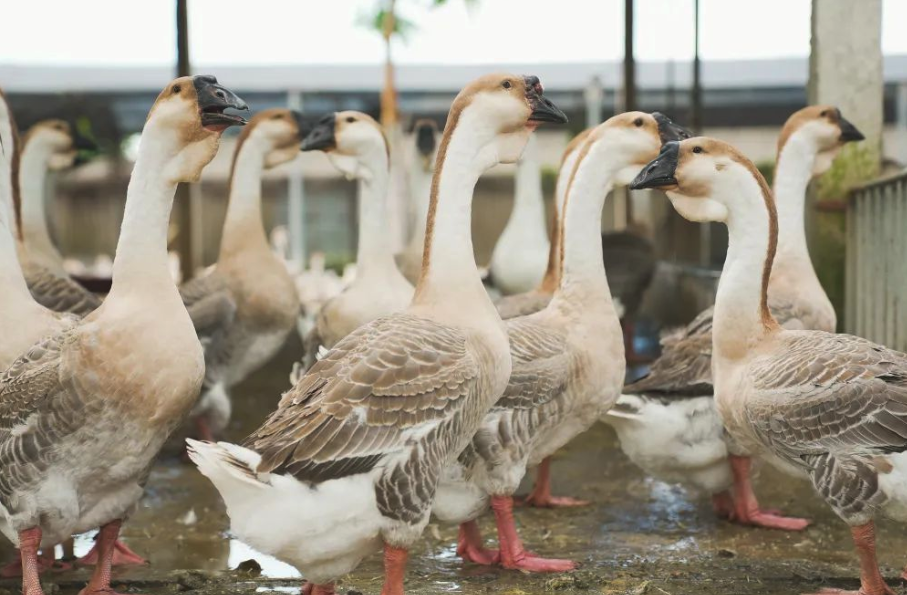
[243, 227]
[528, 216]
[583, 273]
[739, 320]
[375, 251]
[551, 280]
[32, 176]
[420, 184]
[794, 172]
[141, 264]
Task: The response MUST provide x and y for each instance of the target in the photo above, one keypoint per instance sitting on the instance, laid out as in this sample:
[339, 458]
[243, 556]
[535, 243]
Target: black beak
[660, 172]
[425, 138]
[321, 138]
[849, 132]
[213, 99]
[542, 108]
[668, 130]
[304, 126]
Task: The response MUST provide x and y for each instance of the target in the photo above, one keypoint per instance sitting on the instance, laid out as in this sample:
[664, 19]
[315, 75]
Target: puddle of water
[271, 567]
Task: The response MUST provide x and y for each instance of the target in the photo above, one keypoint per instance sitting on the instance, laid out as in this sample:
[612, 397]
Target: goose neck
[243, 226]
[792, 178]
[374, 252]
[32, 177]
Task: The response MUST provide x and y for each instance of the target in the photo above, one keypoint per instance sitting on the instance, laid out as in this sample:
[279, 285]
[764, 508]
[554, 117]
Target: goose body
[84, 411]
[667, 421]
[363, 437]
[245, 308]
[828, 407]
[357, 147]
[521, 253]
[568, 359]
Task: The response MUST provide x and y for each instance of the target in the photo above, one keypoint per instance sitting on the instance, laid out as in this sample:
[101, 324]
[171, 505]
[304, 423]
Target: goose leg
[106, 546]
[746, 506]
[122, 555]
[723, 504]
[513, 555]
[69, 550]
[29, 541]
[313, 589]
[541, 497]
[471, 548]
[871, 581]
[203, 429]
[395, 559]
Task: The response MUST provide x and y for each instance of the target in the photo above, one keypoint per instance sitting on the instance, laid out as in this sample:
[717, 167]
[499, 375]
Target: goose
[520, 255]
[568, 364]
[529, 302]
[831, 408]
[126, 375]
[666, 422]
[410, 259]
[248, 304]
[49, 145]
[351, 458]
[357, 147]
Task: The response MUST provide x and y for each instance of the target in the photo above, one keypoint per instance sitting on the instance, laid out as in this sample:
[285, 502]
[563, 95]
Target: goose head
[426, 133]
[279, 132]
[823, 129]
[635, 139]
[705, 178]
[498, 112]
[185, 124]
[58, 142]
[353, 141]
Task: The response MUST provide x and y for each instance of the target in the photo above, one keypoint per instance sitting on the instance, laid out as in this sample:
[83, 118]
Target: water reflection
[271, 567]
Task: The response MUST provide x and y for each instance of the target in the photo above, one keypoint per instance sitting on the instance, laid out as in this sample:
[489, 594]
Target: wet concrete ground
[639, 537]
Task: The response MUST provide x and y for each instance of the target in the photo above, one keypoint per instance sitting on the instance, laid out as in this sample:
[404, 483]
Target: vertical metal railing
[876, 275]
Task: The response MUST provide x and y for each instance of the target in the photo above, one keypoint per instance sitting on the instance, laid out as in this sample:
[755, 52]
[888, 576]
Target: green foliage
[403, 26]
[767, 169]
[337, 261]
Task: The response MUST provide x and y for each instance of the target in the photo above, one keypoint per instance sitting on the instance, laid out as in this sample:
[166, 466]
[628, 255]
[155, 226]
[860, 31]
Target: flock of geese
[422, 396]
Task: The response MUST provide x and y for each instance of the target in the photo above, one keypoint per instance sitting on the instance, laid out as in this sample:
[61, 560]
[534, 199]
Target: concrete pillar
[845, 71]
[595, 97]
[296, 199]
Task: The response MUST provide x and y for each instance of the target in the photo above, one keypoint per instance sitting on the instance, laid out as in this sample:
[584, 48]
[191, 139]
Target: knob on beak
[303, 125]
[321, 138]
[668, 130]
[543, 110]
[849, 132]
[213, 99]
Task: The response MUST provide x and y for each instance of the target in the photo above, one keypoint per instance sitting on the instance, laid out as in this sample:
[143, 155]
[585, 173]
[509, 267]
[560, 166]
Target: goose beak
[213, 99]
[849, 132]
[321, 138]
[660, 172]
[543, 110]
[302, 125]
[425, 139]
[668, 130]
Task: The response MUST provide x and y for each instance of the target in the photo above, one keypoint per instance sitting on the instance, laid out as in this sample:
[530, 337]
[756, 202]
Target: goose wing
[541, 365]
[522, 304]
[830, 404]
[210, 303]
[59, 293]
[376, 393]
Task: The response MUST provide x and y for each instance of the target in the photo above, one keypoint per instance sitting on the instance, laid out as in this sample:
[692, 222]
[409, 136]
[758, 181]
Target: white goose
[357, 147]
[248, 304]
[828, 407]
[49, 145]
[421, 168]
[568, 364]
[84, 411]
[352, 457]
[666, 421]
[521, 253]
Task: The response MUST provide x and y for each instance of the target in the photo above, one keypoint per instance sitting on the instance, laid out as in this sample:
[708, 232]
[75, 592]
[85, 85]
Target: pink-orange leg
[541, 497]
[395, 559]
[471, 546]
[871, 581]
[29, 541]
[313, 589]
[106, 546]
[122, 555]
[203, 429]
[746, 507]
[513, 555]
[46, 561]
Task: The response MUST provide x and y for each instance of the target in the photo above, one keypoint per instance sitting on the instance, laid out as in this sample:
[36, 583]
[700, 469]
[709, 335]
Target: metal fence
[876, 275]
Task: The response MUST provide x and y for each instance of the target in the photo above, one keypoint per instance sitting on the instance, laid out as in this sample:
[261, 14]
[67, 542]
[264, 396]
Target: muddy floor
[639, 537]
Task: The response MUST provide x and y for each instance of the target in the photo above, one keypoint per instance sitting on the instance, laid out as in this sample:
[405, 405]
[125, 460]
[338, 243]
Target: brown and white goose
[352, 457]
[529, 302]
[357, 147]
[49, 145]
[83, 412]
[245, 308]
[666, 421]
[828, 407]
[568, 364]
[410, 258]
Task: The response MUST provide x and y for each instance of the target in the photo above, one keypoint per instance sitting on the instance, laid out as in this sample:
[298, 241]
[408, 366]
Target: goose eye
[824, 113]
[637, 122]
[697, 149]
[506, 84]
[351, 119]
[277, 117]
[176, 89]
